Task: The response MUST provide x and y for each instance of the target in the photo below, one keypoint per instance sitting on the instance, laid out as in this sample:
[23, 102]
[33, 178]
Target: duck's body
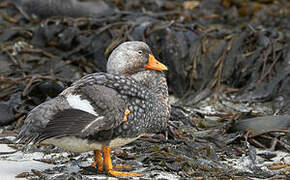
[90, 114]
[104, 109]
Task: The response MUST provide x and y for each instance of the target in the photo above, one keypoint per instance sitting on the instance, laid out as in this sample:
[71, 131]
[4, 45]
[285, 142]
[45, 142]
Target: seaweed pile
[228, 60]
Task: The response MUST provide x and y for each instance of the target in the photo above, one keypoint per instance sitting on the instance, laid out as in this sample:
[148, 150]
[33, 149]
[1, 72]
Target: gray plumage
[93, 108]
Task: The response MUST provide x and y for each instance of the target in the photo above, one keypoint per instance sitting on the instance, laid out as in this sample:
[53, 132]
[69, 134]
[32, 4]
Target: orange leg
[108, 164]
[99, 163]
[98, 160]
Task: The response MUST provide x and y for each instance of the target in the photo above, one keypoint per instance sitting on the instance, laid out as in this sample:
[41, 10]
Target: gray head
[132, 57]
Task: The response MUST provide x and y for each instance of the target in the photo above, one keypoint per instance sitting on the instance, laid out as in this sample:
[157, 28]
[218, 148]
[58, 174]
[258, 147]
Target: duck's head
[132, 57]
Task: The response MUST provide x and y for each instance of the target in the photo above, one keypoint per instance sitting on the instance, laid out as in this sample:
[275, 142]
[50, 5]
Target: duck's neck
[155, 81]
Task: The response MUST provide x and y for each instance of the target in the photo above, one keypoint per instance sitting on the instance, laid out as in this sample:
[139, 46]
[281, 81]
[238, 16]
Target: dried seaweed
[224, 58]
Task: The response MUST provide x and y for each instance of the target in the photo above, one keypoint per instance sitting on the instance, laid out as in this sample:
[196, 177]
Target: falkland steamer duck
[105, 110]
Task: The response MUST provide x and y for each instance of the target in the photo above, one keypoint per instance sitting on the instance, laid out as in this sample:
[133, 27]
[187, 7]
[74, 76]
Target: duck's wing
[38, 118]
[95, 103]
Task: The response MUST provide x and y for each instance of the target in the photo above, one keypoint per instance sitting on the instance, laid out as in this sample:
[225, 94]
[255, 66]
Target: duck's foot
[119, 173]
[122, 167]
[108, 164]
[101, 168]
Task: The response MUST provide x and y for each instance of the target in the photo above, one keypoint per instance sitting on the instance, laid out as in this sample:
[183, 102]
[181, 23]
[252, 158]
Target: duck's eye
[140, 52]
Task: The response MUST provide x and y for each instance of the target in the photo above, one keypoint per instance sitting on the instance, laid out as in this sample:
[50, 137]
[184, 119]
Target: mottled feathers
[109, 95]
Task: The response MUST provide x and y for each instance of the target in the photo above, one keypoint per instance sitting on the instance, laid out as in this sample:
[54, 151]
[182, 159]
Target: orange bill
[154, 64]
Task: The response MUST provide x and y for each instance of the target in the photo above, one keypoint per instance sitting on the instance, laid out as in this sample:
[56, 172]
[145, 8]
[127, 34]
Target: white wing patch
[77, 103]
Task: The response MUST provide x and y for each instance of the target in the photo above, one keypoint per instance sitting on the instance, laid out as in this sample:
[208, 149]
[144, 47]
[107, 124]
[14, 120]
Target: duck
[102, 110]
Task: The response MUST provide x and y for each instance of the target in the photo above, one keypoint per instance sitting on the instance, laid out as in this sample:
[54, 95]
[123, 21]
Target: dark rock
[69, 8]
[267, 154]
[43, 90]
[264, 124]
[7, 109]
[4, 64]
[6, 113]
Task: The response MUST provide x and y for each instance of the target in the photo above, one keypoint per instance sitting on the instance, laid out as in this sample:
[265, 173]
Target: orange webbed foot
[120, 166]
[119, 173]
[108, 164]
